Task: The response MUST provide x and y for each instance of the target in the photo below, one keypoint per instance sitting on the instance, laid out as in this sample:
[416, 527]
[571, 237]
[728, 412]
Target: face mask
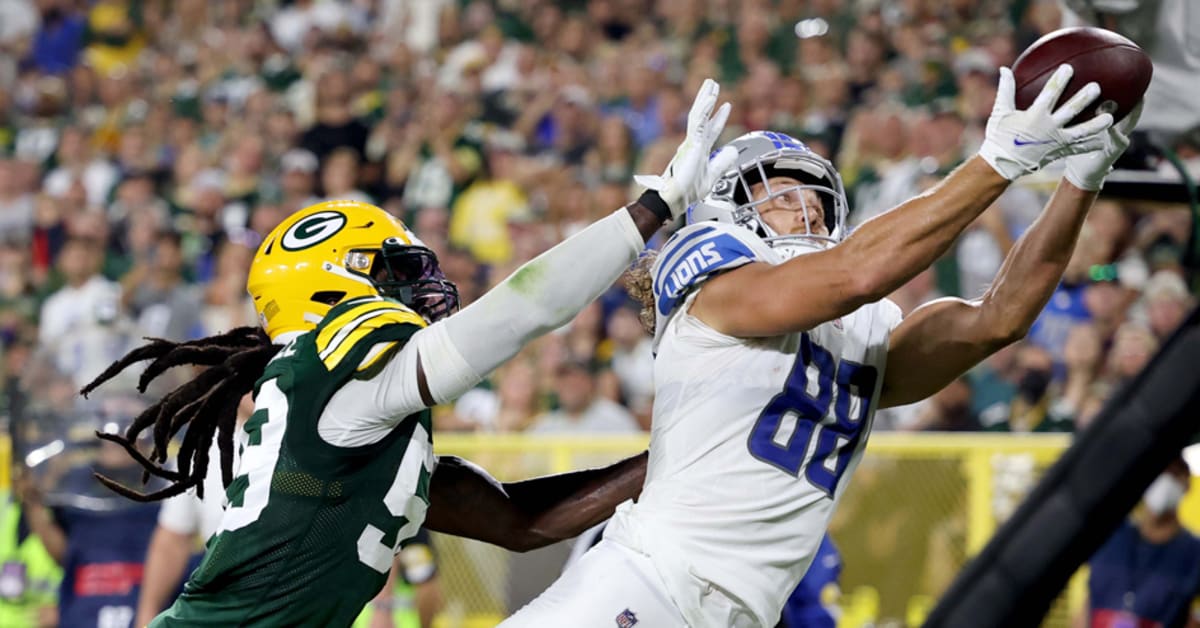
[1164, 494]
[1033, 385]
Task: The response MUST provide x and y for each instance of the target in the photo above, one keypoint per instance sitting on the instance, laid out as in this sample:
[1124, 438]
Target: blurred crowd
[146, 147]
[149, 145]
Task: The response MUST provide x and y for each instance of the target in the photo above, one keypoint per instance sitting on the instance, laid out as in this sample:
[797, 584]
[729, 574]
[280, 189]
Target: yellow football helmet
[337, 250]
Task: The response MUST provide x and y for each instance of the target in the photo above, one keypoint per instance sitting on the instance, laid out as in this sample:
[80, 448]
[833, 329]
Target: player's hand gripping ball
[1116, 64]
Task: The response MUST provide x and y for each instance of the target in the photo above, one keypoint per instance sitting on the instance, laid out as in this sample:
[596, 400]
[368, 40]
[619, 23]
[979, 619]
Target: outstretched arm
[446, 359]
[888, 250]
[465, 501]
[942, 339]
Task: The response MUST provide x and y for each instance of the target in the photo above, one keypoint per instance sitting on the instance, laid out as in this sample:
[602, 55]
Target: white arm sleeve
[542, 295]
[181, 514]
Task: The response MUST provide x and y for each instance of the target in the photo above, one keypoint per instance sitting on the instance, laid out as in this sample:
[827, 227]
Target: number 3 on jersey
[835, 437]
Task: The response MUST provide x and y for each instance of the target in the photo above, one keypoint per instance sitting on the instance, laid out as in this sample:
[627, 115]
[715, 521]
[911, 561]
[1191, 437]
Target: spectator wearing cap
[976, 73]
[298, 179]
[580, 409]
[1166, 302]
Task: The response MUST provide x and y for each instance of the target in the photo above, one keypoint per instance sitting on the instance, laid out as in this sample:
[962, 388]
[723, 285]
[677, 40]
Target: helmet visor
[411, 274]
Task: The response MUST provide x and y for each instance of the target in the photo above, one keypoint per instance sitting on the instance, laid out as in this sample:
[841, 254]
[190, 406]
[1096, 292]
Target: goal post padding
[1084, 496]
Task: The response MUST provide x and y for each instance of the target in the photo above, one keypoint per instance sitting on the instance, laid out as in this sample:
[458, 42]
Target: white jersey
[753, 439]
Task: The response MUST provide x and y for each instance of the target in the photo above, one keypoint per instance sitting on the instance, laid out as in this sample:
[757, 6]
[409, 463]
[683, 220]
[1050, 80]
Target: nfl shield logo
[626, 619]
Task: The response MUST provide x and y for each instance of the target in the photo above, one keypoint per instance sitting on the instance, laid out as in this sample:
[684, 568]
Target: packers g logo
[313, 230]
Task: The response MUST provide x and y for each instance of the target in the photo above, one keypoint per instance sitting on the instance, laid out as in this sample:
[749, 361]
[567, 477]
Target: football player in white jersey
[772, 337]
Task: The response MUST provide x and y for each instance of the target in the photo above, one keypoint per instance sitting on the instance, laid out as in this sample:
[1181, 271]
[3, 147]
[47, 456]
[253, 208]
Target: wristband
[651, 200]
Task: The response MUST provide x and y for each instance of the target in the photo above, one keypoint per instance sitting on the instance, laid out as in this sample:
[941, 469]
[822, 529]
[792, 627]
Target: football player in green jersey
[359, 338]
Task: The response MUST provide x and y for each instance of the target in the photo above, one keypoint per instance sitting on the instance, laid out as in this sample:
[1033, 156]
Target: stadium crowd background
[146, 146]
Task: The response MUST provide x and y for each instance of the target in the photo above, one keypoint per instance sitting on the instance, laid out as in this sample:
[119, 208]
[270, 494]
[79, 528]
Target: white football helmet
[766, 154]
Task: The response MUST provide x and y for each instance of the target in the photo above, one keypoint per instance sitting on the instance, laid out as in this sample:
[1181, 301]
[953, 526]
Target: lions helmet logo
[313, 230]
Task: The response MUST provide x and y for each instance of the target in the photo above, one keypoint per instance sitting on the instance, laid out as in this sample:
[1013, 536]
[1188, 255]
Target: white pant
[611, 585]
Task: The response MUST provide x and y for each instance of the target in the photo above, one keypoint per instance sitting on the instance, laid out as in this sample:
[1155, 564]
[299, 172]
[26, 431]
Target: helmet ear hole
[328, 297]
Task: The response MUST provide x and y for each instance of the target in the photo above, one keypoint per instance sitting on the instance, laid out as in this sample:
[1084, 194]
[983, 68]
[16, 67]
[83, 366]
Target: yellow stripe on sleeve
[338, 351]
[336, 329]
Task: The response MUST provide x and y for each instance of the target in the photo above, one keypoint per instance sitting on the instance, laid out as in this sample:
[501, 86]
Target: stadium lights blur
[44, 453]
[812, 27]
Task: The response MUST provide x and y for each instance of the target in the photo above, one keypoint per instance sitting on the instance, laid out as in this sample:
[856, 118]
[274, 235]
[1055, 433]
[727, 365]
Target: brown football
[1118, 65]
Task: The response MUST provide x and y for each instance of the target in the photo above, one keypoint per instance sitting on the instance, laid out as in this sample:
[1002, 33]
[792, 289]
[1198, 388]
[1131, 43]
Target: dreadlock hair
[639, 283]
[207, 405]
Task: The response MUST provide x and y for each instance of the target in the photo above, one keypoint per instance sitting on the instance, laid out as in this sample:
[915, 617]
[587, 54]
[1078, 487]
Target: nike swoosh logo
[1019, 142]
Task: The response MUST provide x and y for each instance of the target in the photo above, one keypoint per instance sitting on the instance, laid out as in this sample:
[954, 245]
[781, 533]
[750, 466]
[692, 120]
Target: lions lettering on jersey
[690, 256]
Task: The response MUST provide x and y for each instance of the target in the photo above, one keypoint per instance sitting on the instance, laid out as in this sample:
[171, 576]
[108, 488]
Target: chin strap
[791, 246]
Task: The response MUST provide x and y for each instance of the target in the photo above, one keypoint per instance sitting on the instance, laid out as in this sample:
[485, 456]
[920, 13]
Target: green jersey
[310, 528]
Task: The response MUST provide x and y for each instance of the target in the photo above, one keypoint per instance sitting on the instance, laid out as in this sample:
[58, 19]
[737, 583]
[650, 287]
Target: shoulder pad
[696, 252]
[349, 323]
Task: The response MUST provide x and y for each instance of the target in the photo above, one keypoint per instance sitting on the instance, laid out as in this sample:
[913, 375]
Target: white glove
[1020, 142]
[1087, 171]
[692, 173]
